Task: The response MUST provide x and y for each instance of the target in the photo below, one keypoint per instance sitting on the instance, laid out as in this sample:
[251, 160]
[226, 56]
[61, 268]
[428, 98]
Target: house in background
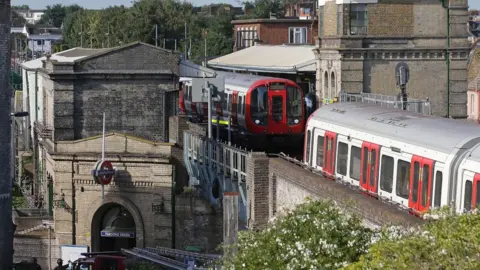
[41, 38]
[303, 9]
[32, 16]
[274, 31]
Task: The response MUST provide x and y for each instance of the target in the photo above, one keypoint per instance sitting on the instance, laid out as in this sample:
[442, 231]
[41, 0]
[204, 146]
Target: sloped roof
[65, 56]
[269, 58]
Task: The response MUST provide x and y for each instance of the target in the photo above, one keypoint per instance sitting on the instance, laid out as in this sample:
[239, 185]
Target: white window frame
[297, 30]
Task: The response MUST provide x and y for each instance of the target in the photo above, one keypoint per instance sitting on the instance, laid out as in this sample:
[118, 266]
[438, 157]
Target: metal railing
[216, 166]
[413, 105]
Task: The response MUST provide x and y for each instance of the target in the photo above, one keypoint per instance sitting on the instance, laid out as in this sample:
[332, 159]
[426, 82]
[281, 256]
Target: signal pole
[6, 224]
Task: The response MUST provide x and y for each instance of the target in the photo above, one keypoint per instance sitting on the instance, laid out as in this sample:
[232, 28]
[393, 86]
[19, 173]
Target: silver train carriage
[416, 161]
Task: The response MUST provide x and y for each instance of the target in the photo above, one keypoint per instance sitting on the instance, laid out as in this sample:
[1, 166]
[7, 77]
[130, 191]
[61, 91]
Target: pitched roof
[65, 56]
[119, 48]
[269, 58]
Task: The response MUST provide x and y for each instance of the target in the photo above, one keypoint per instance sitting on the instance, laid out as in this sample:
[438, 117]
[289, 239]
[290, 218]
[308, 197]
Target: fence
[413, 105]
[215, 167]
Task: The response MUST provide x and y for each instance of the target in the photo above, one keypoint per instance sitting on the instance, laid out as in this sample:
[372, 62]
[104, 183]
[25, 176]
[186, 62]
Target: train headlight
[295, 121]
[257, 122]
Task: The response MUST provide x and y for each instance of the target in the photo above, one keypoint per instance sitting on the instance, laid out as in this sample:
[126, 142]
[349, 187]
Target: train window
[307, 151]
[477, 193]
[342, 158]
[294, 104]
[373, 166]
[386, 173]
[355, 154]
[320, 143]
[365, 165]
[403, 179]
[467, 199]
[425, 184]
[438, 189]
[239, 106]
[259, 105]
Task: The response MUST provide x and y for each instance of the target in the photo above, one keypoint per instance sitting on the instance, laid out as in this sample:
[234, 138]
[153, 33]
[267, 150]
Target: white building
[31, 15]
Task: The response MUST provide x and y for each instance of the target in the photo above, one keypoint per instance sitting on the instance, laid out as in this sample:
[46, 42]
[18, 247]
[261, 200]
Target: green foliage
[119, 25]
[17, 20]
[316, 235]
[263, 8]
[21, 7]
[451, 242]
[55, 14]
[19, 200]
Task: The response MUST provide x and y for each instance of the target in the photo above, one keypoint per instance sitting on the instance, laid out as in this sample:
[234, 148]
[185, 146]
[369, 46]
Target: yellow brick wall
[387, 19]
[330, 19]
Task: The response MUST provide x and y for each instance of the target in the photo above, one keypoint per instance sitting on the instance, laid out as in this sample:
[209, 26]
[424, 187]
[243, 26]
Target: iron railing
[213, 164]
[413, 105]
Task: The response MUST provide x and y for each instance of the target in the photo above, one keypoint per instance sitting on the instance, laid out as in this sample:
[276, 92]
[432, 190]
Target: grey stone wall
[198, 224]
[27, 247]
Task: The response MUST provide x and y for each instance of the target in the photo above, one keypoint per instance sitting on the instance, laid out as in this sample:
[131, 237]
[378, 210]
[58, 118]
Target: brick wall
[276, 33]
[292, 185]
[197, 224]
[391, 19]
[135, 87]
[330, 18]
[27, 247]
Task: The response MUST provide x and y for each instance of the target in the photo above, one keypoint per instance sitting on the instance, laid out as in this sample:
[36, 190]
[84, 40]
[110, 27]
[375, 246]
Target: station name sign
[118, 234]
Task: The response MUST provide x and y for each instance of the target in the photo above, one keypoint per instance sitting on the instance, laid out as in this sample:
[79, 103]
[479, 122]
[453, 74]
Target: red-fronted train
[262, 109]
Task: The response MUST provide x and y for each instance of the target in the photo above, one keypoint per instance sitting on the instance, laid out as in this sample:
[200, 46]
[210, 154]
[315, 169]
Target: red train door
[476, 191]
[329, 150]
[421, 173]
[233, 112]
[369, 167]
[277, 107]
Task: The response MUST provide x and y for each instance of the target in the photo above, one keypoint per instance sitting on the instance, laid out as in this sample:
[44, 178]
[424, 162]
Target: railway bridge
[268, 185]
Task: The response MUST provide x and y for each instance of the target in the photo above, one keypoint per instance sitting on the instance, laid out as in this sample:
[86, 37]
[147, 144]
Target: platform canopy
[191, 70]
[289, 59]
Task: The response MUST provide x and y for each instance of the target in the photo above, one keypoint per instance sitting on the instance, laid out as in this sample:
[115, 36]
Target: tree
[55, 14]
[452, 242]
[24, 7]
[263, 8]
[17, 20]
[316, 235]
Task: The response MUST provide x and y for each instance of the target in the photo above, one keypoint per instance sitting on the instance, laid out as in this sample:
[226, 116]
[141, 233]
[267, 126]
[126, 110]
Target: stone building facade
[360, 43]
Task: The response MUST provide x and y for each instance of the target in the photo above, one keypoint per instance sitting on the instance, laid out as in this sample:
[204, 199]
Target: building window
[325, 86]
[358, 19]
[334, 89]
[246, 37]
[297, 35]
[40, 42]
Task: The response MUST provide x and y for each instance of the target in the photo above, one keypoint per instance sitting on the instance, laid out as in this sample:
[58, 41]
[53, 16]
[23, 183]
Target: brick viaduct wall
[275, 185]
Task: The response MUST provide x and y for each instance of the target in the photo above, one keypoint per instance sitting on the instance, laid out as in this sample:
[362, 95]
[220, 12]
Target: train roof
[244, 80]
[432, 132]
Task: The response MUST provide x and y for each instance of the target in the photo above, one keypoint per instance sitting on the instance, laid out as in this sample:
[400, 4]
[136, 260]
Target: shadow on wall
[198, 224]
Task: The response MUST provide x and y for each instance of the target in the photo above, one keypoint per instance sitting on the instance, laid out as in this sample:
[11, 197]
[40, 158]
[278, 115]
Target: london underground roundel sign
[103, 172]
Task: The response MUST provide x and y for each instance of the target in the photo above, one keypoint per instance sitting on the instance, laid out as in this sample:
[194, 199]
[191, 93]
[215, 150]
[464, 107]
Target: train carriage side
[261, 106]
[394, 155]
[468, 181]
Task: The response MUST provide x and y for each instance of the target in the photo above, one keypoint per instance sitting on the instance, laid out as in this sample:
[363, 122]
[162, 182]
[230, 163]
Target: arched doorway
[113, 228]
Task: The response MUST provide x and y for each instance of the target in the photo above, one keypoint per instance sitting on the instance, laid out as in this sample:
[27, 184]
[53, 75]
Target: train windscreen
[294, 105]
[259, 105]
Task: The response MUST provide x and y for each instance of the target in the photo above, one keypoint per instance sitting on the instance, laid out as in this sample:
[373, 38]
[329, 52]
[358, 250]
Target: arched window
[325, 86]
[333, 89]
[471, 103]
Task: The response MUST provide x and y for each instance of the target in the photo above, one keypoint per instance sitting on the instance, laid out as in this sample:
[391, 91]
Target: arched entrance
[113, 228]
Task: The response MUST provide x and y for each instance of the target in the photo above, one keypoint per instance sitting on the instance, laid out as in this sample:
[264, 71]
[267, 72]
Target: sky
[96, 4]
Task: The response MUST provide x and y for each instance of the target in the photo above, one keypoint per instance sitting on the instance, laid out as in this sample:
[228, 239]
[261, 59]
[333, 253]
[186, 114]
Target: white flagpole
[103, 151]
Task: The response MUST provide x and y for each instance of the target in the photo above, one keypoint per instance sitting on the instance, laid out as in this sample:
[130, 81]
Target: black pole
[173, 206]
[6, 224]
[404, 97]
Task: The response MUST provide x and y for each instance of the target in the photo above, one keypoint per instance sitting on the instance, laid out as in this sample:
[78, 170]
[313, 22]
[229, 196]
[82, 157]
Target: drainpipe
[173, 206]
[36, 95]
[28, 125]
[446, 4]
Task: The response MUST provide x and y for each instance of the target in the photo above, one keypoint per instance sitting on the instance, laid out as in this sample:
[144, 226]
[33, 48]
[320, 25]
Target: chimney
[273, 16]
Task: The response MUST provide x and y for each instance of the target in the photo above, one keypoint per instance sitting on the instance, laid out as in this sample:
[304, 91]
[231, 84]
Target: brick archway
[98, 209]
